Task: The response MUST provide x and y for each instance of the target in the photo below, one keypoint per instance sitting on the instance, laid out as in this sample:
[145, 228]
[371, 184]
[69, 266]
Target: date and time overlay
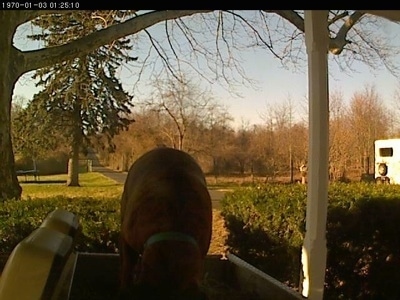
[57, 5]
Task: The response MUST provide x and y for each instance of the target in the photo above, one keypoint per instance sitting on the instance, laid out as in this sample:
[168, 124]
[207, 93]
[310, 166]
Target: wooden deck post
[314, 247]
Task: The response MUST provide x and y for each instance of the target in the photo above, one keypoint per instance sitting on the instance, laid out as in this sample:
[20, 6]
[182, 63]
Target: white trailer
[387, 161]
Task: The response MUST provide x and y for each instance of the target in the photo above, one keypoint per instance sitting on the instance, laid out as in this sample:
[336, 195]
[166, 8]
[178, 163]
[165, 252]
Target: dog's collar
[169, 236]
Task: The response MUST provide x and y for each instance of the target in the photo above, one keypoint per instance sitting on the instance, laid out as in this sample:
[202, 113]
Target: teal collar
[169, 236]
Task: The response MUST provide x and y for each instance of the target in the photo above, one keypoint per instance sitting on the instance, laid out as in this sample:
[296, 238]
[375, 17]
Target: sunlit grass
[231, 182]
[91, 185]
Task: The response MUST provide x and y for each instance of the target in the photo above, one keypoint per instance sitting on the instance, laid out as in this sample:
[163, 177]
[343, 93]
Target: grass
[91, 185]
[96, 185]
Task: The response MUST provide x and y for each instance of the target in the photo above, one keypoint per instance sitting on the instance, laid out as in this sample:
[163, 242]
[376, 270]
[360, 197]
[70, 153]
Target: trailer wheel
[382, 169]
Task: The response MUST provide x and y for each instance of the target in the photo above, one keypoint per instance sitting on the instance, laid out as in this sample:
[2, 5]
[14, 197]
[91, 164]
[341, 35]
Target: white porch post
[314, 248]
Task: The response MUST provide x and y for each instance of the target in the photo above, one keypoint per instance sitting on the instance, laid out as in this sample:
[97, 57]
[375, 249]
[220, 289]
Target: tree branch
[338, 17]
[264, 42]
[291, 16]
[337, 44]
[37, 59]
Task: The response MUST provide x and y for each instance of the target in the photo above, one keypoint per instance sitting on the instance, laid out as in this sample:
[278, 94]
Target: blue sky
[275, 83]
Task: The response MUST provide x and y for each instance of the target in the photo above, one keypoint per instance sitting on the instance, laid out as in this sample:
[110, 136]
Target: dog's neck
[170, 264]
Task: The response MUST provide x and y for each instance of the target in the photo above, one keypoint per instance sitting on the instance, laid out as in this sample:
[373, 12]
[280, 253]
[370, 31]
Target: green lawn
[91, 184]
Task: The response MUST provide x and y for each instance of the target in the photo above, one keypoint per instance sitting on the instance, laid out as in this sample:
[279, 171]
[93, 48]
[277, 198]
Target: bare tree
[241, 146]
[340, 137]
[139, 137]
[280, 119]
[368, 122]
[208, 139]
[394, 114]
[185, 106]
[259, 150]
[208, 136]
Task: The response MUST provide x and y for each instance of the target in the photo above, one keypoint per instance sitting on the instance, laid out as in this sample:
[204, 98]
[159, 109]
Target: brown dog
[166, 223]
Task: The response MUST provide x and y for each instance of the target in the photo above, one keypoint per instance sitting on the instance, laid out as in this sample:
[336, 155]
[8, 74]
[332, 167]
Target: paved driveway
[120, 177]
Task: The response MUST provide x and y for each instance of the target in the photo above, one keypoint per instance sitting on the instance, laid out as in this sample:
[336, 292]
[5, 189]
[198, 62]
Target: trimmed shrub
[266, 227]
[100, 219]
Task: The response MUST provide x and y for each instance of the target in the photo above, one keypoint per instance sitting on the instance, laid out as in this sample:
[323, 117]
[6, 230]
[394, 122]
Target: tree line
[180, 115]
[277, 147]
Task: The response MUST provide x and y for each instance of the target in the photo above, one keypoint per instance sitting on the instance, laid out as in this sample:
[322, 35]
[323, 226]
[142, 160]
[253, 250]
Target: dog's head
[166, 221]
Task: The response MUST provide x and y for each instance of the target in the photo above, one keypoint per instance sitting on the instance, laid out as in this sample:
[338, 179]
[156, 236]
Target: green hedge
[267, 224]
[100, 219]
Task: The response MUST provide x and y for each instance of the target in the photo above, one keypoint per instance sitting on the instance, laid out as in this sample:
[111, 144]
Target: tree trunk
[241, 166]
[215, 169]
[366, 163]
[9, 73]
[9, 185]
[291, 169]
[303, 172]
[181, 137]
[73, 166]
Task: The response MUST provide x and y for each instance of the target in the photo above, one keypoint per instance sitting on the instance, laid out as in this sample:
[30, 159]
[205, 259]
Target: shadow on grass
[44, 182]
